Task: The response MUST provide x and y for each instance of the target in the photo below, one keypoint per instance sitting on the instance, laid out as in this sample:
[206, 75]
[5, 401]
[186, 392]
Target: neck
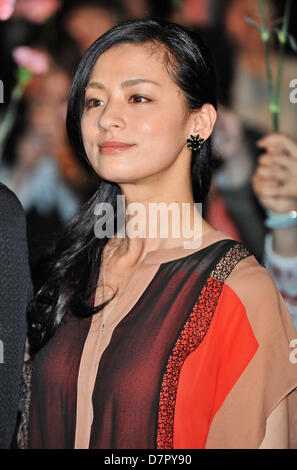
[152, 225]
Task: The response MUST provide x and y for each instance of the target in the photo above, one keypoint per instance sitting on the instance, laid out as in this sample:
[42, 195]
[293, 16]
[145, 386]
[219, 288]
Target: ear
[203, 120]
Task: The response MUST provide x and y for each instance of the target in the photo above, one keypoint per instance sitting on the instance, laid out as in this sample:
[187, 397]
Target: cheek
[87, 132]
[162, 133]
[89, 141]
[159, 126]
[85, 127]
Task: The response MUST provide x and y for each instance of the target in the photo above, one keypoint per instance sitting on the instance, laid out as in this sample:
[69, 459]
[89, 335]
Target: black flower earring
[195, 142]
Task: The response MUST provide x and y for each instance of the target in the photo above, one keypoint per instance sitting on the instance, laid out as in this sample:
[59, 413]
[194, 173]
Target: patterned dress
[195, 354]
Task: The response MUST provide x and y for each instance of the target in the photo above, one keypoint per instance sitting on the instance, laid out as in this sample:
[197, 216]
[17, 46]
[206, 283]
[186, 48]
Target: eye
[93, 103]
[139, 99]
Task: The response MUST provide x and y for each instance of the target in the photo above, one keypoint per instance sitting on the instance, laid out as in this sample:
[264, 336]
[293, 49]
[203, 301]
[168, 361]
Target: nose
[111, 116]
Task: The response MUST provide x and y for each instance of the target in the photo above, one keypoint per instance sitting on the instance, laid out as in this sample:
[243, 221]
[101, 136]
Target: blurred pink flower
[35, 61]
[6, 9]
[36, 11]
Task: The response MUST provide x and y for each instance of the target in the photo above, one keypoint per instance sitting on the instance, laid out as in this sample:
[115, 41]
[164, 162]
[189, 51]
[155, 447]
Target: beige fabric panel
[270, 376]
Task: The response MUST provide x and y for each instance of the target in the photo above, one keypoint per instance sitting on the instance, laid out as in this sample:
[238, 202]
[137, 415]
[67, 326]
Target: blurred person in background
[46, 177]
[231, 206]
[243, 116]
[137, 8]
[151, 8]
[275, 184]
[197, 13]
[243, 113]
[85, 21]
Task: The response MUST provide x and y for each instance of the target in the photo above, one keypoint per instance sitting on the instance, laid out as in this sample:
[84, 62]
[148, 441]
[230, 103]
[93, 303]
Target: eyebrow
[124, 84]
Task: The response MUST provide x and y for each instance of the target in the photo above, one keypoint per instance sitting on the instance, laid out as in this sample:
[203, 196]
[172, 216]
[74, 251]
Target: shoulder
[9, 199]
[252, 288]
[250, 277]
[12, 214]
[14, 261]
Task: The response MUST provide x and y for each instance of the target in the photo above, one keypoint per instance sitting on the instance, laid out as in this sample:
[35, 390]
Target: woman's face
[131, 99]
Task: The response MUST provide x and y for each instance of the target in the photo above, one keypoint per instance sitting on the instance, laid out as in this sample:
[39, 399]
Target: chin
[125, 172]
[117, 177]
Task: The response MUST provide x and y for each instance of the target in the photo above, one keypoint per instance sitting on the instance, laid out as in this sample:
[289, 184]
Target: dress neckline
[163, 255]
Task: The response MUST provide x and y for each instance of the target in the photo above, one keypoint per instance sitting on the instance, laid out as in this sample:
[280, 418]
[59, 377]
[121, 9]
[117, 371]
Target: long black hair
[72, 265]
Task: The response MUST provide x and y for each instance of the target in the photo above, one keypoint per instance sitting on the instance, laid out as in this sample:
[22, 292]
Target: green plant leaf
[253, 23]
[24, 75]
[292, 42]
[282, 36]
[265, 35]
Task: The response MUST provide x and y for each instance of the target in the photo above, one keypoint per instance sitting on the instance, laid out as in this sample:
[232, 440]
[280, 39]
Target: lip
[114, 146]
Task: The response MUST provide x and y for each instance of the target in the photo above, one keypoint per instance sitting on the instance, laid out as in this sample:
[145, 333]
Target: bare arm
[285, 241]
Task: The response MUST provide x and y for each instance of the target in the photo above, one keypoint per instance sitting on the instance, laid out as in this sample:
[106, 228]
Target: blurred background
[52, 182]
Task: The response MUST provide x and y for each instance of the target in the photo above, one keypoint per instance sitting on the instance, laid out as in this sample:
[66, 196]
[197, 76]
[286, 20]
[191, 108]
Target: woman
[142, 342]
[15, 293]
